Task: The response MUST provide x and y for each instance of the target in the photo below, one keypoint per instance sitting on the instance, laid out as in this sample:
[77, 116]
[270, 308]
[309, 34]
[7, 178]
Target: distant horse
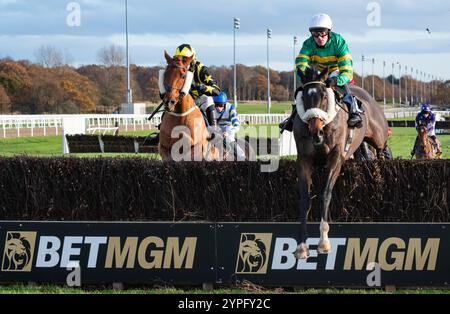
[183, 118]
[424, 148]
[324, 140]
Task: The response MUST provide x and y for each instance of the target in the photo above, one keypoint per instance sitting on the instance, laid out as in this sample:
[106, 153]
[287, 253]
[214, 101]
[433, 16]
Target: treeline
[38, 88]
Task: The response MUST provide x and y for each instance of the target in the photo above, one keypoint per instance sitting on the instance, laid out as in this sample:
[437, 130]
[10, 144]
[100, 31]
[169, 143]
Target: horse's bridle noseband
[169, 88]
[182, 93]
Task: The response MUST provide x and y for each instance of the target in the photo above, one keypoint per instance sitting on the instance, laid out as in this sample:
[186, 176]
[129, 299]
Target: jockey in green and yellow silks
[326, 49]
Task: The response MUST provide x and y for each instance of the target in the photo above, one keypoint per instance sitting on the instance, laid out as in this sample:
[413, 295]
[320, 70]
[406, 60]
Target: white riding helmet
[320, 22]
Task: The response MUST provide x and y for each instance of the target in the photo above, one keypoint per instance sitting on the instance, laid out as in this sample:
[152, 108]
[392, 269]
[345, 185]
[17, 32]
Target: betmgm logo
[18, 253]
[254, 251]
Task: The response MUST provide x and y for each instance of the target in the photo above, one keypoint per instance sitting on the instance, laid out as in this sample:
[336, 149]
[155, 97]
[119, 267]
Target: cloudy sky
[386, 30]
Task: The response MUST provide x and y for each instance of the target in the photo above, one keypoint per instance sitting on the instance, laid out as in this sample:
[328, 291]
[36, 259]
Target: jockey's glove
[201, 88]
[331, 82]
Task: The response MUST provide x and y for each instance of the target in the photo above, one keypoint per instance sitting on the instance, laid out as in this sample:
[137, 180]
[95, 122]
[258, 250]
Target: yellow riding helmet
[186, 50]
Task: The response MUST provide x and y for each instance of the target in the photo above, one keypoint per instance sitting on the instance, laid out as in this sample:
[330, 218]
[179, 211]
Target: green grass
[261, 107]
[42, 146]
[54, 289]
[402, 140]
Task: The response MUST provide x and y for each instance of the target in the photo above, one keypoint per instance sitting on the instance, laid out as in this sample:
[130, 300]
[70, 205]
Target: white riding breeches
[204, 102]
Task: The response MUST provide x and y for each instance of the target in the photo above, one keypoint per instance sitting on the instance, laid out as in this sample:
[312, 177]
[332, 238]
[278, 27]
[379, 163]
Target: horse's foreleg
[164, 153]
[334, 168]
[304, 180]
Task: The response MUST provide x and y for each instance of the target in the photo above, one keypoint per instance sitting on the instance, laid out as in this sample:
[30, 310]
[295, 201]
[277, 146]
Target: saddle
[339, 96]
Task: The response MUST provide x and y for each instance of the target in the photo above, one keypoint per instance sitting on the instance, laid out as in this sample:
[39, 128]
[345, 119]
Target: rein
[314, 82]
[183, 114]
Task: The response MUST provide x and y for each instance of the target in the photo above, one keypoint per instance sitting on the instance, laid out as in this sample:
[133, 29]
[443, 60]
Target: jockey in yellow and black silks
[204, 87]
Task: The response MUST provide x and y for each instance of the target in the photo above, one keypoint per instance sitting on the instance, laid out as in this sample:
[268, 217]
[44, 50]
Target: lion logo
[18, 253]
[253, 253]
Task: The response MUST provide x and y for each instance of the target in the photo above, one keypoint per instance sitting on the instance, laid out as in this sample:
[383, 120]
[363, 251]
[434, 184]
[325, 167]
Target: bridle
[169, 87]
[314, 82]
[181, 93]
[323, 83]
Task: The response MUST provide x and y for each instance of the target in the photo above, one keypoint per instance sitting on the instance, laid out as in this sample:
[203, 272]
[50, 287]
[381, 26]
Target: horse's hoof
[324, 247]
[302, 251]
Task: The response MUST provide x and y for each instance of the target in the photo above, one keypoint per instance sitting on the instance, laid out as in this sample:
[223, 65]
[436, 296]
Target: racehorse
[323, 139]
[424, 148]
[182, 117]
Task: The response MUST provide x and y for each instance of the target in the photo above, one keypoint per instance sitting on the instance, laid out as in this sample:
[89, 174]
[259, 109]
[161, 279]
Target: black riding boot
[211, 121]
[210, 116]
[354, 120]
[288, 124]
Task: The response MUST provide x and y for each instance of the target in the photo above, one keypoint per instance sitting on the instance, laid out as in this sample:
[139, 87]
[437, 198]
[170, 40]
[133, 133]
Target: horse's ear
[301, 74]
[324, 74]
[169, 59]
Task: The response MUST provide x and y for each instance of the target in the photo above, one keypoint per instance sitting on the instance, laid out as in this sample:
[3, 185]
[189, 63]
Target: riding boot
[354, 120]
[211, 121]
[288, 124]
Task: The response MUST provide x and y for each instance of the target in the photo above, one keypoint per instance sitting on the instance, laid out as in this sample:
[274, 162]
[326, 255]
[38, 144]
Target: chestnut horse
[424, 148]
[322, 137]
[183, 133]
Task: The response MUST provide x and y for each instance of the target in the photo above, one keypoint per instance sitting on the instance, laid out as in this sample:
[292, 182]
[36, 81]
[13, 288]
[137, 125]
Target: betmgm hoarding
[195, 253]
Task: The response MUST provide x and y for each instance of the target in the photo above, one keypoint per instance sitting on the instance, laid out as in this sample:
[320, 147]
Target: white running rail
[42, 125]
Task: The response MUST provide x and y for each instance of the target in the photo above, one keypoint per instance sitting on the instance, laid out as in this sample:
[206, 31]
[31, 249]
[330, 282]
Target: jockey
[425, 116]
[327, 49]
[227, 118]
[204, 87]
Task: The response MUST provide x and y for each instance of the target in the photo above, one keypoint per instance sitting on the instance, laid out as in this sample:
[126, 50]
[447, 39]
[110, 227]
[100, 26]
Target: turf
[55, 289]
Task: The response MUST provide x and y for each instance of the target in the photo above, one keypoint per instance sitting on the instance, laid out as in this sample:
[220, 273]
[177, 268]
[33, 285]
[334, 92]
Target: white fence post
[71, 126]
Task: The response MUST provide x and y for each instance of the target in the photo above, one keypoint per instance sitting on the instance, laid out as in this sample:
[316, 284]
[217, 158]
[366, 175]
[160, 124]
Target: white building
[134, 108]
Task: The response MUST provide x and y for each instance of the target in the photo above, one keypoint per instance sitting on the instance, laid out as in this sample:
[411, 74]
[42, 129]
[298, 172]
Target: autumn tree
[5, 101]
[16, 82]
[61, 90]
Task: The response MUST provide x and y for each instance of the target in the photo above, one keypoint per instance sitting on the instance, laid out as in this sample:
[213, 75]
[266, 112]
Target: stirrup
[353, 124]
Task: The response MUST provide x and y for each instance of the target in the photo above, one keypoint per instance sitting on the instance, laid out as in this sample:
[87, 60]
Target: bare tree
[49, 56]
[68, 58]
[112, 56]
